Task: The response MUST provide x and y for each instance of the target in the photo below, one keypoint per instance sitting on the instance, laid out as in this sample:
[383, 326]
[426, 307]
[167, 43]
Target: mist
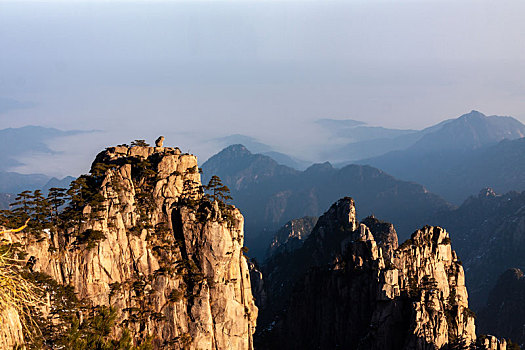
[196, 71]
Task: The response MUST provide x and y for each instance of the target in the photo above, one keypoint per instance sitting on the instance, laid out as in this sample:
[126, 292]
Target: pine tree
[139, 143]
[56, 198]
[219, 191]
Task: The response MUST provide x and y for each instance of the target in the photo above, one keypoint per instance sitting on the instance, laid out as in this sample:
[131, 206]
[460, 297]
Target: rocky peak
[331, 229]
[147, 242]
[487, 193]
[234, 151]
[319, 169]
[384, 234]
[292, 235]
[373, 293]
[341, 214]
[473, 114]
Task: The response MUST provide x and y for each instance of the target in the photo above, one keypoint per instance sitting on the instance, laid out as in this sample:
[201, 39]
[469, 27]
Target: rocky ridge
[149, 244]
[291, 235]
[355, 288]
[271, 195]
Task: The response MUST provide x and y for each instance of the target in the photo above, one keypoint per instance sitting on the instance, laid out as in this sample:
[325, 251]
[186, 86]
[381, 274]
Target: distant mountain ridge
[270, 194]
[255, 146]
[467, 132]
[463, 156]
[457, 174]
[470, 131]
[14, 183]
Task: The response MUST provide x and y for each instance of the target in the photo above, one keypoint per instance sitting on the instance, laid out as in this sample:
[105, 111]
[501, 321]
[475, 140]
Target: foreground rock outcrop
[11, 331]
[351, 286]
[143, 239]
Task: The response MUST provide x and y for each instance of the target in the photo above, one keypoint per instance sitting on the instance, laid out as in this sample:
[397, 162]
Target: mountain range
[463, 156]
[270, 194]
[467, 132]
[455, 158]
[488, 233]
[140, 257]
[350, 285]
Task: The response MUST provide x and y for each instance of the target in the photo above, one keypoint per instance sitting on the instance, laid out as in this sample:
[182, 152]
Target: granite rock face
[167, 259]
[359, 290]
[292, 235]
[11, 331]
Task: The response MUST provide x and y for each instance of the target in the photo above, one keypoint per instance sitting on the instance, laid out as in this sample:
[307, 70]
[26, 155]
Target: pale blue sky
[201, 69]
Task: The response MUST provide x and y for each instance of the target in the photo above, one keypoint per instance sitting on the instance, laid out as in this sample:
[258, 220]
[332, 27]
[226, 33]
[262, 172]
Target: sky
[199, 70]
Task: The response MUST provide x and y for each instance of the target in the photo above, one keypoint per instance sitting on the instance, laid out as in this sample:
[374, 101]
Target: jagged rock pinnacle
[159, 141]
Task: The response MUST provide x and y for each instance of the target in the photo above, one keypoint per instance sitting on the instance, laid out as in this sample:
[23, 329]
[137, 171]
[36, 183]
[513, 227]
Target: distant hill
[356, 131]
[270, 194]
[255, 146]
[457, 174]
[13, 183]
[470, 131]
[355, 140]
[463, 156]
[467, 132]
[238, 167]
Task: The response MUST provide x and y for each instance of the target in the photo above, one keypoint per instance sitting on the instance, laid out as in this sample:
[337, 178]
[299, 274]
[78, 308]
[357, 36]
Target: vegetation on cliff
[135, 255]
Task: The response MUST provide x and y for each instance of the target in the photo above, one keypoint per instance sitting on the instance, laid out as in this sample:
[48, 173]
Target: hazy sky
[197, 70]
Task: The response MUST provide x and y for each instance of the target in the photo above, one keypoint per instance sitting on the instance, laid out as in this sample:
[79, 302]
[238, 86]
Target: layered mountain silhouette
[463, 156]
[270, 194]
[13, 183]
[469, 131]
[255, 146]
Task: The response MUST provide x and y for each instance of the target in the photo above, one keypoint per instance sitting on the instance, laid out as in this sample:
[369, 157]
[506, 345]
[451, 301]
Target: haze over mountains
[453, 159]
[140, 237]
[252, 175]
[463, 156]
[469, 131]
[270, 194]
[444, 163]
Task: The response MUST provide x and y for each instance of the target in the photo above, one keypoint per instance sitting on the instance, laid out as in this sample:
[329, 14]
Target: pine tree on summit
[220, 191]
